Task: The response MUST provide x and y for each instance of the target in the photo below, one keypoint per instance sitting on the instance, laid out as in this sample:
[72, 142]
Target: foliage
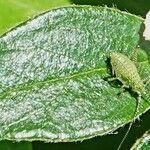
[89, 74]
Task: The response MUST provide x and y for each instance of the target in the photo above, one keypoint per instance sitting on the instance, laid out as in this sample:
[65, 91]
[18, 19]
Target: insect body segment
[126, 71]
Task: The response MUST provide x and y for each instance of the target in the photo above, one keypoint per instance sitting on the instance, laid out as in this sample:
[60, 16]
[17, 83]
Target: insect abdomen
[126, 70]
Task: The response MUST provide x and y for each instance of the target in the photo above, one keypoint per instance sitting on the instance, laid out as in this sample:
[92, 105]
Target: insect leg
[139, 98]
[117, 78]
[122, 89]
[123, 84]
[112, 79]
[113, 72]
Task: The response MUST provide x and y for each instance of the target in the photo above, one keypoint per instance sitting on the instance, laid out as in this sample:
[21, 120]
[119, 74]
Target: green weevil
[126, 71]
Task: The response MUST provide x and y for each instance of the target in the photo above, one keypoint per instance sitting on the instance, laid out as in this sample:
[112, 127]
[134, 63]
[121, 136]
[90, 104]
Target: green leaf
[8, 145]
[143, 143]
[54, 72]
[22, 10]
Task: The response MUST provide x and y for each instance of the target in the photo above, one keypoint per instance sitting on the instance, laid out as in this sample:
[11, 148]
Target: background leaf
[138, 7]
[53, 81]
[143, 143]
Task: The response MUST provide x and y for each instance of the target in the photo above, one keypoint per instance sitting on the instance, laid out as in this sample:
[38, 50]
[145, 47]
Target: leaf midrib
[38, 83]
[27, 85]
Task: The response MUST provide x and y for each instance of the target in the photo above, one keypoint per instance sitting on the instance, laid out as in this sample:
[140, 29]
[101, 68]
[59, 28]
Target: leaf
[143, 143]
[54, 72]
[8, 145]
[22, 10]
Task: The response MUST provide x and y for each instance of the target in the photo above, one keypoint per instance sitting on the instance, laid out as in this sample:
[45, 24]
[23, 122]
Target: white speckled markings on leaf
[53, 70]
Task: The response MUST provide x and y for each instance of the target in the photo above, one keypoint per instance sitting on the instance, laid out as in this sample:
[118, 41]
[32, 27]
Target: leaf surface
[54, 72]
[143, 143]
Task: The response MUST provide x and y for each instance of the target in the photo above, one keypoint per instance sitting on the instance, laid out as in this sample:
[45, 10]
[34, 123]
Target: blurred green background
[13, 12]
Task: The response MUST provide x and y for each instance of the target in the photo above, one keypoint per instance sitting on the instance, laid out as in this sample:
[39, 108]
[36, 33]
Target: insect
[126, 71]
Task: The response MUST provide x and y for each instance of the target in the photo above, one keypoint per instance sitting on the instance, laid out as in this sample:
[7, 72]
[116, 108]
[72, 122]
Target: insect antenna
[136, 112]
[131, 123]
